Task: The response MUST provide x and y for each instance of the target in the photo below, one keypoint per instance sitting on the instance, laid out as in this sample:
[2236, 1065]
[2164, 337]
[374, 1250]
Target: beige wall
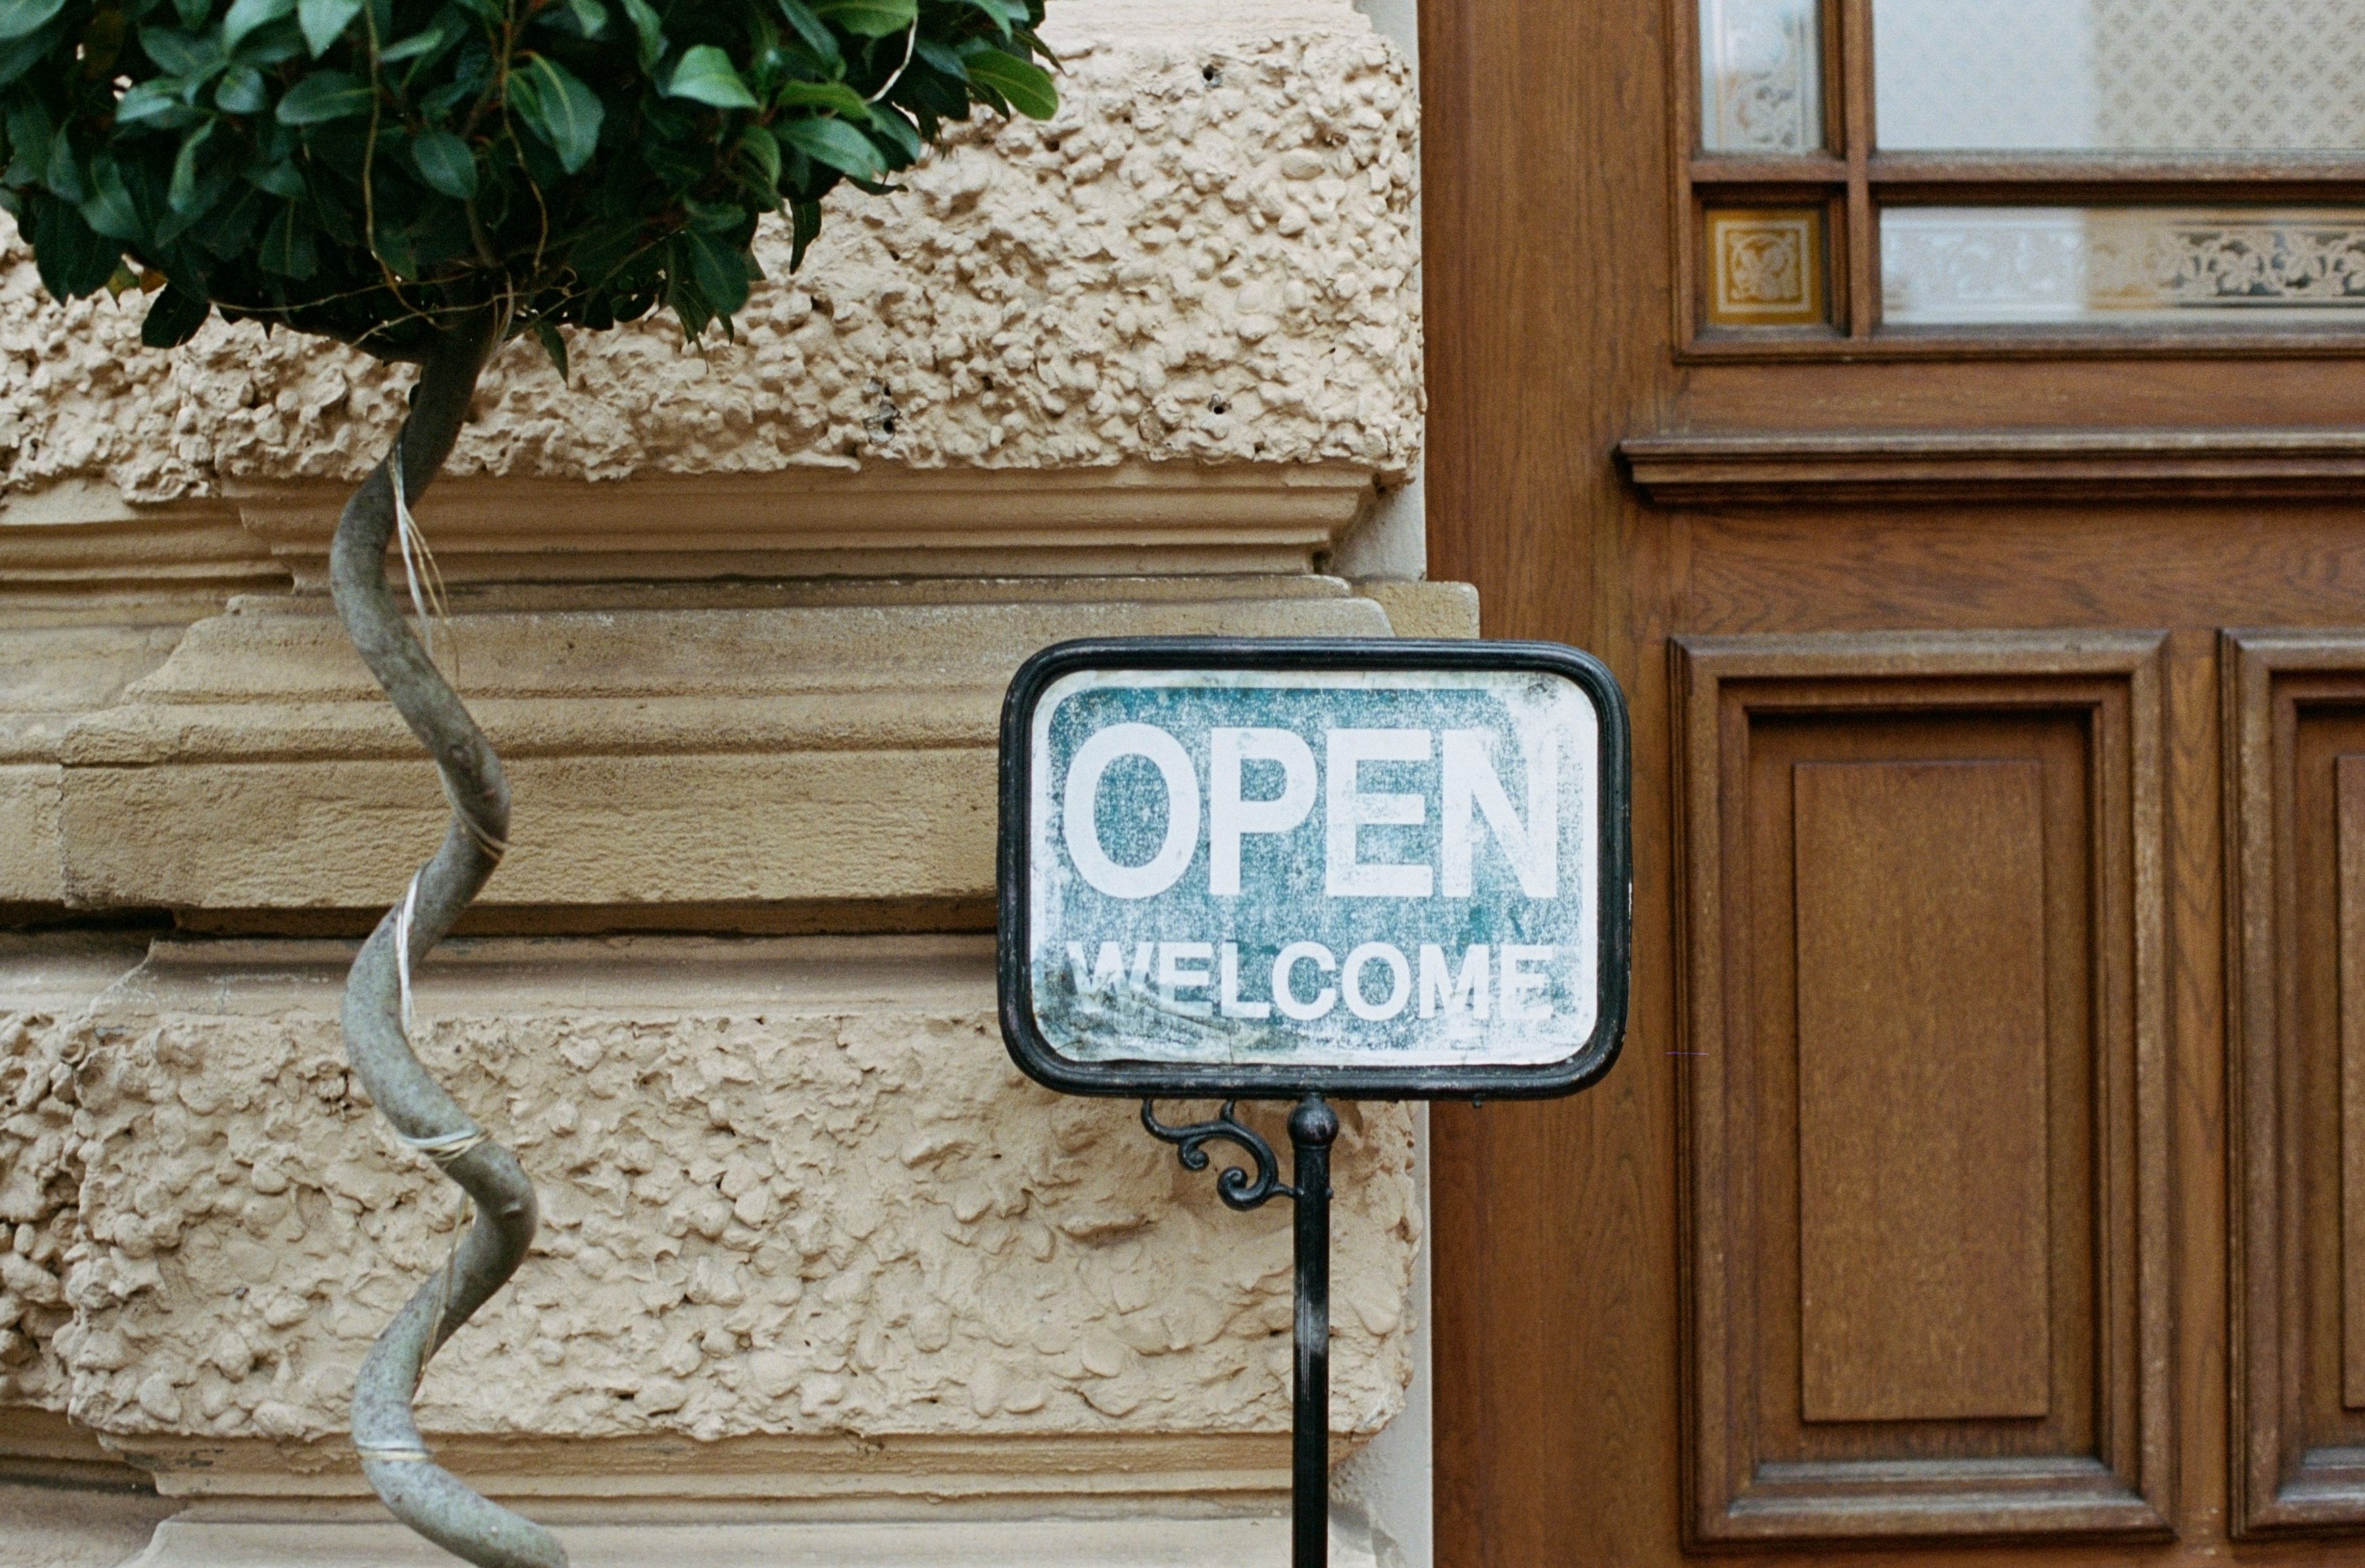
[815, 1257]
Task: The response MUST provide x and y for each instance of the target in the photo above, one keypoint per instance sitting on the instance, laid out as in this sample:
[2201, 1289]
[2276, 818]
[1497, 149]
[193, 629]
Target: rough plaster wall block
[841, 751]
[48, 984]
[788, 1188]
[1210, 255]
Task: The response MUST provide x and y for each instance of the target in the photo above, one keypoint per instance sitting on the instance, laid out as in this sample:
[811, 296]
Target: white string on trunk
[419, 572]
[424, 579]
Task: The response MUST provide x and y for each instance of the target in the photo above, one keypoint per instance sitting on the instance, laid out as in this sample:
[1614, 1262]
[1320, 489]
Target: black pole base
[1313, 1128]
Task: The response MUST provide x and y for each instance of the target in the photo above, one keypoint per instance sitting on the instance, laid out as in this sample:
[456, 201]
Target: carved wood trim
[1844, 466]
[2108, 1469]
[2290, 1475]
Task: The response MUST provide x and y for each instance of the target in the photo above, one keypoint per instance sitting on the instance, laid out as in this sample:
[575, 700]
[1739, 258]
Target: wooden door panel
[2296, 716]
[1923, 1114]
[1923, 1232]
[2349, 826]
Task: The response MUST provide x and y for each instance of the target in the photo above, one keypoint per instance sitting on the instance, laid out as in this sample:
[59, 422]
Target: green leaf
[705, 76]
[817, 36]
[591, 17]
[646, 23]
[155, 105]
[325, 21]
[180, 55]
[245, 15]
[240, 91]
[19, 18]
[552, 345]
[804, 227]
[288, 248]
[282, 40]
[556, 108]
[393, 247]
[720, 269]
[835, 96]
[193, 12]
[899, 130]
[868, 18]
[1025, 84]
[183, 194]
[1003, 15]
[758, 145]
[942, 58]
[63, 173]
[108, 209]
[432, 40]
[445, 162]
[323, 96]
[73, 258]
[21, 55]
[173, 316]
[30, 131]
[279, 176]
[837, 144]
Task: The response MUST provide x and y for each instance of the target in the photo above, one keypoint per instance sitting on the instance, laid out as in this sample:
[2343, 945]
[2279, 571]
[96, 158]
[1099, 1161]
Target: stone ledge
[813, 1476]
[661, 758]
[1128, 519]
[196, 1540]
[81, 538]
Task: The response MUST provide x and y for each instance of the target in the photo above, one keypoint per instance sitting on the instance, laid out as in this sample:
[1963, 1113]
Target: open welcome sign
[1389, 869]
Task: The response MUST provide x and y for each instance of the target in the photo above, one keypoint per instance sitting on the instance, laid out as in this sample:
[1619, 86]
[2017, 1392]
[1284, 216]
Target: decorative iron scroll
[1235, 1185]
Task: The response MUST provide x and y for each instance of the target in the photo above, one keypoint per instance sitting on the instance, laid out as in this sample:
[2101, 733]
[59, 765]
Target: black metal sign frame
[1218, 1080]
[1313, 1125]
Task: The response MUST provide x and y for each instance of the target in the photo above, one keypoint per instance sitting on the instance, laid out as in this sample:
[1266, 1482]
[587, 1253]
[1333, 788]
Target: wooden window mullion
[1857, 142]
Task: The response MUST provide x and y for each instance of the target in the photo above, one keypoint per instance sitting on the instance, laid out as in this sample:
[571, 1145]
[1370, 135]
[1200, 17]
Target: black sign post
[1302, 870]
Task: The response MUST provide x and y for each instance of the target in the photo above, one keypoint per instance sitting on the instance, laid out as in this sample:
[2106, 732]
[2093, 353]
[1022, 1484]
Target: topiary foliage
[369, 170]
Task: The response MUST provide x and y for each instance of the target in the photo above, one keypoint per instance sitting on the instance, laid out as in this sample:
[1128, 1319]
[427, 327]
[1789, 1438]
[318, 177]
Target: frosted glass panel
[2119, 75]
[1761, 76]
[2033, 265]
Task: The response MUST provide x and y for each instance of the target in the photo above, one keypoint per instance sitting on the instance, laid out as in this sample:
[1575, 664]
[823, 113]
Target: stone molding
[1128, 519]
[80, 541]
[80, 546]
[205, 1538]
[851, 729]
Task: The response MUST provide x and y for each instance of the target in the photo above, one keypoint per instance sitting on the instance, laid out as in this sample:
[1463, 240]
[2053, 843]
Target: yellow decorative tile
[1765, 267]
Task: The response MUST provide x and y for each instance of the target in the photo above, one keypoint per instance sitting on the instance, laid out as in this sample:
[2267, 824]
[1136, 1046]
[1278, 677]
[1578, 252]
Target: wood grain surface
[1923, 1237]
[2206, 1207]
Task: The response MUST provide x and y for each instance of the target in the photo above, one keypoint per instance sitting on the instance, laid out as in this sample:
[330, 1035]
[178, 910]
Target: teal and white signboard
[1386, 870]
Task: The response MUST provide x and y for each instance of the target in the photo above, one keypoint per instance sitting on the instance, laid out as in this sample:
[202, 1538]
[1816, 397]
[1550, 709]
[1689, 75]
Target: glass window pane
[2186, 266]
[1761, 76]
[2119, 75]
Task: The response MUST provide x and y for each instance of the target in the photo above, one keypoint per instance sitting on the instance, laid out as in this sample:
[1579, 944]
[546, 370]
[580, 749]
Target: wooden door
[1984, 1179]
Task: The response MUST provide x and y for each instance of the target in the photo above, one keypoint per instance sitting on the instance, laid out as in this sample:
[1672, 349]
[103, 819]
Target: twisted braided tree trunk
[422, 1493]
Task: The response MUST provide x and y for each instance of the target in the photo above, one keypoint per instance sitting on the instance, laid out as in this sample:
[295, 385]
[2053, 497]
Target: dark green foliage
[367, 169]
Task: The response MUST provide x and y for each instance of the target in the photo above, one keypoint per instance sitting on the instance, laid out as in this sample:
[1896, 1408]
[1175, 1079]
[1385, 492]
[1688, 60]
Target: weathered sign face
[1382, 868]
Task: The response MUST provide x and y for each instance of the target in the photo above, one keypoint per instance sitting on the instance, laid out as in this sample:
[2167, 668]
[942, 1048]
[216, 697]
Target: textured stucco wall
[782, 1199]
[781, 1193]
[1210, 255]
